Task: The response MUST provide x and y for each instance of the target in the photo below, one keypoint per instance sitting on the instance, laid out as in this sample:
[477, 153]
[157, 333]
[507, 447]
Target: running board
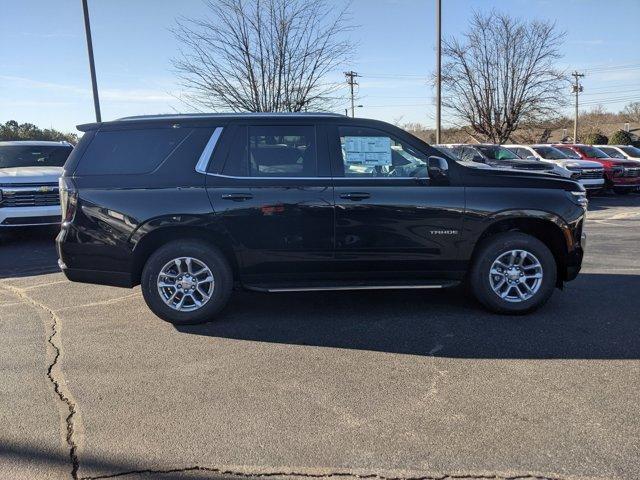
[271, 288]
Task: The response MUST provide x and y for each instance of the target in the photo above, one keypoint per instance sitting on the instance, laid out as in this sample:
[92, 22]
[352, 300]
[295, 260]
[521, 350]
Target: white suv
[589, 174]
[29, 173]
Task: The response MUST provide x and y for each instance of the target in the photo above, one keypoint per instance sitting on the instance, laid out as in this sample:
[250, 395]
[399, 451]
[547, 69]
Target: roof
[207, 116]
[195, 118]
[36, 143]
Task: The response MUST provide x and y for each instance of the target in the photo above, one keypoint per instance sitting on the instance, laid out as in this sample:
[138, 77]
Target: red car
[623, 176]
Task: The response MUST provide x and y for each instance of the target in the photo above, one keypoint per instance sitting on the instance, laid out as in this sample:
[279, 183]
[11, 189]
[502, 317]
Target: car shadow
[604, 201]
[28, 251]
[595, 317]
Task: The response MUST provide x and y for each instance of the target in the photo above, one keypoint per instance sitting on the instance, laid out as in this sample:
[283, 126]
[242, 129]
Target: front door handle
[237, 197]
[355, 196]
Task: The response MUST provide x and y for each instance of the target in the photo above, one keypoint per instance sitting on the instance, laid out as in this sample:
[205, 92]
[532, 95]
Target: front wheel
[186, 282]
[513, 273]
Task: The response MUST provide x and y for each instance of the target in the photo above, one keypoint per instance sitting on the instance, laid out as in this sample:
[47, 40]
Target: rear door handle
[237, 197]
[355, 196]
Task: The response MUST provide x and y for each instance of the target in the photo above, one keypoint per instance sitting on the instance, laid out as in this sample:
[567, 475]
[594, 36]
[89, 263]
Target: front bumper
[593, 183]
[29, 216]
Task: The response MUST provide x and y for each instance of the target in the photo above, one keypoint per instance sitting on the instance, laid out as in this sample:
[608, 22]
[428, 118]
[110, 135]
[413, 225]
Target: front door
[391, 219]
[275, 198]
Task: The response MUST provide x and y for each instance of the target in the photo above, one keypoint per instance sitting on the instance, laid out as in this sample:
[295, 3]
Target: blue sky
[44, 75]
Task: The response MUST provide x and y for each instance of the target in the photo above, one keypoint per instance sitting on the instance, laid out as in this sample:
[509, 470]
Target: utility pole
[92, 67]
[576, 88]
[438, 67]
[351, 81]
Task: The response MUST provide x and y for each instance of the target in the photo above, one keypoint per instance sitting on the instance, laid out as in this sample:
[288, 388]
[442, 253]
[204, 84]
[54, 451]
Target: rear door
[271, 187]
[391, 219]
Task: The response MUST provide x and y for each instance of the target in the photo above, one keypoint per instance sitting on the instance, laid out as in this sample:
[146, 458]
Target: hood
[516, 178]
[521, 163]
[30, 175]
[574, 163]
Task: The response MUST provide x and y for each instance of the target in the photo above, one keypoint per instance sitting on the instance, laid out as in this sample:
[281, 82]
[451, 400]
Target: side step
[328, 286]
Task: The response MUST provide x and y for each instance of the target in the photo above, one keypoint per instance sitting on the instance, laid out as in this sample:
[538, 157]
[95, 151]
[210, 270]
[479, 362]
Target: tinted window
[130, 151]
[593, 152]
[550, 153]
[612, 152]
[496, 152]
[368, 152]
[33, 156]
[569, 153]
[282, 151]
[631, 151]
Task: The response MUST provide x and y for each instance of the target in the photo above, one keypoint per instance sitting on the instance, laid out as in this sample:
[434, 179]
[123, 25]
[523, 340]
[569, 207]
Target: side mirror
[437, 167]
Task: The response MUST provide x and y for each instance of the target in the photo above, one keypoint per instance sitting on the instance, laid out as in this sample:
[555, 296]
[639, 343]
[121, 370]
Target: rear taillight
[68, 198]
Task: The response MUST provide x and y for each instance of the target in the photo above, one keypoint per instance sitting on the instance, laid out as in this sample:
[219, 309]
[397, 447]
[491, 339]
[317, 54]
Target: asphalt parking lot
[382, 385]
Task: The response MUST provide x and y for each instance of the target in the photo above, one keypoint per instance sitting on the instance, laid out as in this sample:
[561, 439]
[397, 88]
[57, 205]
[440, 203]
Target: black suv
[191, 205]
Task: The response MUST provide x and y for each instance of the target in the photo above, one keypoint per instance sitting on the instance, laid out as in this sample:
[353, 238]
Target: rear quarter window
[127, 152]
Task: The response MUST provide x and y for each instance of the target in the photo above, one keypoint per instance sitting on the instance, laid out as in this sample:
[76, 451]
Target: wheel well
[157, 238]
[544, 230]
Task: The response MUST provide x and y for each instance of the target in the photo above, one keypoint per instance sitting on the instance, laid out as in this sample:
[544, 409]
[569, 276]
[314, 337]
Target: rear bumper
[29, 216]
[98, 277]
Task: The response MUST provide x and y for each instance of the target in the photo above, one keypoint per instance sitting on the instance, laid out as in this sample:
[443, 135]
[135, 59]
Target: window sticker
[371, 151]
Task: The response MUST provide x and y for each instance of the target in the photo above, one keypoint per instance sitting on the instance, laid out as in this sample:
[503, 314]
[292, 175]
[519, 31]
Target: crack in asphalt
[372, 476]
[54, 373]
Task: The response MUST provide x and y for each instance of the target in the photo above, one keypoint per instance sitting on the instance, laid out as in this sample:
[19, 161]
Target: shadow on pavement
[595, 317]
[43, 459]
[604, 201]
[28, 251]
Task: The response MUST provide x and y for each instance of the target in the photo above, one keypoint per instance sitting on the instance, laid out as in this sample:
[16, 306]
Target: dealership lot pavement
[393, 384]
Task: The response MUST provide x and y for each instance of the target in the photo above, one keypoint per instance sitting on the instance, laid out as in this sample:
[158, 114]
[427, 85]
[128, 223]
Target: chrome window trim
[205, 156]
[307, 178]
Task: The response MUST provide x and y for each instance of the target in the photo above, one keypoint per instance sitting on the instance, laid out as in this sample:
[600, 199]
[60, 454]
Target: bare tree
[501, 73]
[262, 55]
[631, 112]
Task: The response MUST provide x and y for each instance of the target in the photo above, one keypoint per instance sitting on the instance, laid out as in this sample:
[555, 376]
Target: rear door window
[282, 151]
[127, 152]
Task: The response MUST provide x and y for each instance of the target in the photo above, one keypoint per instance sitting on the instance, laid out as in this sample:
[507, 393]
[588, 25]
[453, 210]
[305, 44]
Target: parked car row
[598, 167]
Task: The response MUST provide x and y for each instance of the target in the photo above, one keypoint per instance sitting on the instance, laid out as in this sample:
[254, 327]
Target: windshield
[33, 155]
[569, 153]
[612, 152]
[631, 151]
[593, 152]
[550, 153]
[496, 152]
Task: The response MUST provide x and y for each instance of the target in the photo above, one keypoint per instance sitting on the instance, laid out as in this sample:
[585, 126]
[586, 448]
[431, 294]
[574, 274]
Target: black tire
[203, 252]
[622, 191]
[490, 250]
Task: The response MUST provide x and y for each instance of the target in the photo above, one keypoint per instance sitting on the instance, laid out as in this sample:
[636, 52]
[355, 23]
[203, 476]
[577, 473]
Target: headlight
[579, 198]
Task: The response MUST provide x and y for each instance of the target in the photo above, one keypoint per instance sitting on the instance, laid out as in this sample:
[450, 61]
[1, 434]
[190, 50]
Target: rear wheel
[186, 282]
[513, 273]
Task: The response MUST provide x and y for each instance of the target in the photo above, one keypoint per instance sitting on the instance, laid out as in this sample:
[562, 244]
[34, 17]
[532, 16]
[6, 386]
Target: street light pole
[438, 67]
[92, 67]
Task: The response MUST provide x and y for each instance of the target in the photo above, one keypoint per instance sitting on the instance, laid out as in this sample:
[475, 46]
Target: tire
[622, 191]
[178, 273]
[482, 283]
